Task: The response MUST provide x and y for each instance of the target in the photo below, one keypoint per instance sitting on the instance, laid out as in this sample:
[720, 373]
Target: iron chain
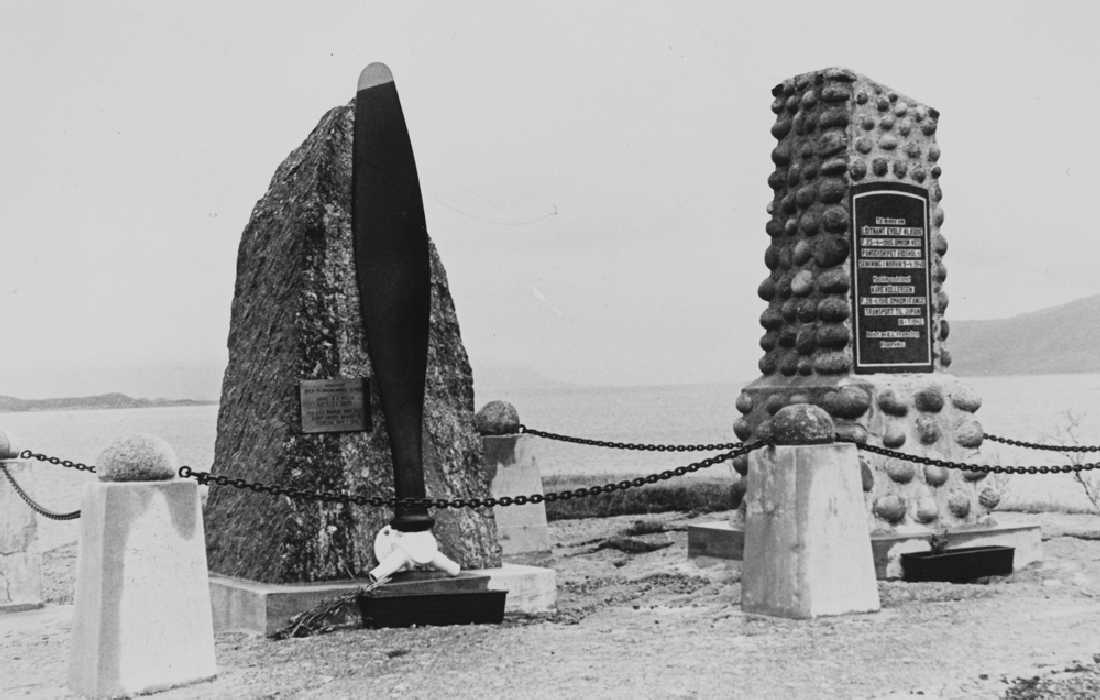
[486, 502]
[1042, 446]
[44, 512]
[981, 468]
[79, 466]
[634, 446]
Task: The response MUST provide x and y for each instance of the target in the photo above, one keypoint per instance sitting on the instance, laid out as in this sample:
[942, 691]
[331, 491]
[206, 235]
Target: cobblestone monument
[855, 298]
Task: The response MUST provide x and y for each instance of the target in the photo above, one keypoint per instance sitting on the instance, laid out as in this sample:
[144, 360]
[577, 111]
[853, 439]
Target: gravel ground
[654, 625]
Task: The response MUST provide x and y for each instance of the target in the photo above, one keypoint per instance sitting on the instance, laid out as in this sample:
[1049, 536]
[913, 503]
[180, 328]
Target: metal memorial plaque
[340, 405]
[891, 300]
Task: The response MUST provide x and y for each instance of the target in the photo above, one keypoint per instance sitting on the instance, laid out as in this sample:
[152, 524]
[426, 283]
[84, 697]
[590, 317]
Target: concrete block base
[141, 619]
[719, 541]
[240, 604]
[807, 551]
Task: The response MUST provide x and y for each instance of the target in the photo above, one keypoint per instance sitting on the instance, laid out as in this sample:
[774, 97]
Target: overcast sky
[594, 173]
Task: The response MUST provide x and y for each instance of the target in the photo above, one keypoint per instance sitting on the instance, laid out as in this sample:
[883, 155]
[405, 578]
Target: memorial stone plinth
[300, 406]
[855, 297]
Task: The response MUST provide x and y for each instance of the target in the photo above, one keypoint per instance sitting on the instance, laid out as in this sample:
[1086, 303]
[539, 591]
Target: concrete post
[510, 457]
[807, 549]
[142, 618]
[20, 560]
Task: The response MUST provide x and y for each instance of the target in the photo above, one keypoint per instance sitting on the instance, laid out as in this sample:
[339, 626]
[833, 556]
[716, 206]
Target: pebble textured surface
[140, 457]
[497, 418]
[295, 315]
[834, 129]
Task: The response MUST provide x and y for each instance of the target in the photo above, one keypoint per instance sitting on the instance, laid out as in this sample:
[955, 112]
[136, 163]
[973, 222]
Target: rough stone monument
[299, 405]
[855, 300]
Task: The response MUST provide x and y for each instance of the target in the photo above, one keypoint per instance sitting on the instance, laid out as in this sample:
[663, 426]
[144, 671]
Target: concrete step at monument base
[720, 542]
[240, 604]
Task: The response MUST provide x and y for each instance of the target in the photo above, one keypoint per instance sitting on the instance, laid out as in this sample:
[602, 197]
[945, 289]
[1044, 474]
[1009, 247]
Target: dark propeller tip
[374, 74]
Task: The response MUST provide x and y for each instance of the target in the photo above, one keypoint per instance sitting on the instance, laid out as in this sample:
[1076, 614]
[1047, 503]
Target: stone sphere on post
[497, 418]
[140, 457]
[802, 424]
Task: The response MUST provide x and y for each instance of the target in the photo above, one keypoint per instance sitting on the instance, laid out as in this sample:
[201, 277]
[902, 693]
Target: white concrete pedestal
[20, 560]
[511, 458]
[141, 620]
[807, 550]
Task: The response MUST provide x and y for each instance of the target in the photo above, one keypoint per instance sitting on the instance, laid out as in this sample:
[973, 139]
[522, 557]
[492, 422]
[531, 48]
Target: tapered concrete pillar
[142, 618]
[511, 460]
[20, 559]
[807, 549]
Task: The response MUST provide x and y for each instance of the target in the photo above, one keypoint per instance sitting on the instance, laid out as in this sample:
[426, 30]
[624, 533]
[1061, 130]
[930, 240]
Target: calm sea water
[1029, 407]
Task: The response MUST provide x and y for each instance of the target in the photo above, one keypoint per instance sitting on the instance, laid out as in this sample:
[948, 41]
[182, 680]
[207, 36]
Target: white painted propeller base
[400, 551]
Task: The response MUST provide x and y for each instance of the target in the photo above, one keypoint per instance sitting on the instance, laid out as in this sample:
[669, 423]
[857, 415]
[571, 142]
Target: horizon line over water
[1023, 406]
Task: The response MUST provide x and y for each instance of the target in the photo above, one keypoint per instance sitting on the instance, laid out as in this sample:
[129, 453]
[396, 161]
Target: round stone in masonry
[834, 166]
[891, 403]
[890, 508]
[807, 310]
[867, 476]
[969, 433]
[928, 430]
[893, 437]
[959, 504]
[769, 341]
[829, 251]
[927, 510]
[847, 402]
[935, 475]
[929, 398]
[858, 169]
[989, 498]
[744, 402]
[900, 471]
[832, 190]
[834, 280]
[833, 335]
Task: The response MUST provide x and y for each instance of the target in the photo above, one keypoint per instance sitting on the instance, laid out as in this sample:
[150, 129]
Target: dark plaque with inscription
[890, 269]
[340, 405]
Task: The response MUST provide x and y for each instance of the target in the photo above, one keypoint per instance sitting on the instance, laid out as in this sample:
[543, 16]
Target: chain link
[486, 502]
[981, 468]
[634, 446]
[79, 466]
[1042, 446]
[44, 512]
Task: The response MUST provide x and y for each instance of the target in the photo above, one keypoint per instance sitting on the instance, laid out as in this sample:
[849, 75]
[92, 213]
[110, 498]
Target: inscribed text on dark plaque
[892, 310]
[340, 405]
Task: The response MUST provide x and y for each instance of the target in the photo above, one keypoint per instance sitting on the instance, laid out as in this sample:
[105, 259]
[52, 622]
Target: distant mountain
[1057, 340]
[114, 400]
